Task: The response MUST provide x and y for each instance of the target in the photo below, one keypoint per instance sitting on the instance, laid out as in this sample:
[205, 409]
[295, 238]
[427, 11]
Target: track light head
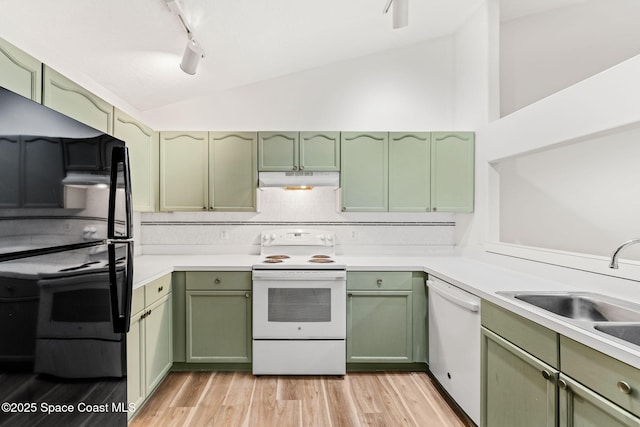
[191, 57]
[400, 12]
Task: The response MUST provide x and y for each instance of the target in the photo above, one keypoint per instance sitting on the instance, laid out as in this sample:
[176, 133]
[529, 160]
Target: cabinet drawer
[157, 289]
[379, 281]
[219, 280]
[137, 300]
[529, 336]
[601, 373]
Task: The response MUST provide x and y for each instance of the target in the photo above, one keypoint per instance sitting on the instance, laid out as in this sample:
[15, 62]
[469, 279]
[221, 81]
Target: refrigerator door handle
[121, 311]
[120, 155]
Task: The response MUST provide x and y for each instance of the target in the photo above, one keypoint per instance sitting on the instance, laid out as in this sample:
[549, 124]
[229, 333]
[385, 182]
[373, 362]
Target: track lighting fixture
[400, 12]
[193, 51]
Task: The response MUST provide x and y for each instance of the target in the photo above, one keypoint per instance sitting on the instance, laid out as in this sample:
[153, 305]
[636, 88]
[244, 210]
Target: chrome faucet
[614, 257]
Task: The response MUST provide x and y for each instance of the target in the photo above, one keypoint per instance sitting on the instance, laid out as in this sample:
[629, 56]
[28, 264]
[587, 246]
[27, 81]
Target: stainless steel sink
[583, 307]
[626, 332]
[607, 316]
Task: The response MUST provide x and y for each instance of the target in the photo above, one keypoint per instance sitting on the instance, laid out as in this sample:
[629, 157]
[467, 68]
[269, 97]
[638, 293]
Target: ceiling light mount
[400, 12]
[193, 51]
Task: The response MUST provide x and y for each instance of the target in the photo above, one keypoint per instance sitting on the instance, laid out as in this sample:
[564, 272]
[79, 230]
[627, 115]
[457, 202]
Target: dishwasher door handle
[466, 303]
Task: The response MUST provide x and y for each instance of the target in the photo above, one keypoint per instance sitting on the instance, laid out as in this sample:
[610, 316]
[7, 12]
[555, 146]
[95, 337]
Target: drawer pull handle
[563, 384]
[247, 295]
[217, 281]
[379, 282]
[624, 387]
[546, 374]
[160, 288]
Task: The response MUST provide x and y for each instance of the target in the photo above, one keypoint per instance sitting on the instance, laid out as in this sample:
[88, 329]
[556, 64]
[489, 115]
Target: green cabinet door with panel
[581, 406]
[158, 332]
[232, 171]
[409, 171]
[278, 151]
[517, 388]
[144, 150]
[218, 317]
[184, 171]
[379, 317]
[19, 72]
[67, 97]
[364, 171]
[452, 171]
[319, 151]
[136, 382]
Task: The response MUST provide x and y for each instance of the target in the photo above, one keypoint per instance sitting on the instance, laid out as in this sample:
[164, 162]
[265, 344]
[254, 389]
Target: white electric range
[299, 305]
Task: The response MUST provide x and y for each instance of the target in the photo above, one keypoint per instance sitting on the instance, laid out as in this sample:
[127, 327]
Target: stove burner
[277, 257]
[321, 257]
[272, 261]
[321, 260]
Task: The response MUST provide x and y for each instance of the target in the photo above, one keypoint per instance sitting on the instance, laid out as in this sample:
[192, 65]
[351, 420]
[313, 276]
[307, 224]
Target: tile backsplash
[239, 232]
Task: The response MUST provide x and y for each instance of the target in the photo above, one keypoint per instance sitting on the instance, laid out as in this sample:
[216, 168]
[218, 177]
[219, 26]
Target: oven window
[299, 305]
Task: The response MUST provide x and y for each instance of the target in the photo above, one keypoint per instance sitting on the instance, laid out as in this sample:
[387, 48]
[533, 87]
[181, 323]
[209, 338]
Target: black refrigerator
[66, 269]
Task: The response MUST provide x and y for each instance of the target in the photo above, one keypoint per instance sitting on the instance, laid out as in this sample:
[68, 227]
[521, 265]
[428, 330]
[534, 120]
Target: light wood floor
[231, 399]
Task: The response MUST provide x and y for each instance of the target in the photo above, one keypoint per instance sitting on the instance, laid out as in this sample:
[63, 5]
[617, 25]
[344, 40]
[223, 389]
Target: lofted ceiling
[132, 48]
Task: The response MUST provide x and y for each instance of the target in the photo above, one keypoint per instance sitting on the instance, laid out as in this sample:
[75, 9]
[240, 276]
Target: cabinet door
[278, 151]
[320, 151]
[10, 171]
[579, 406]
[219, 326]
[143, 144]
[232, 171]
[65, 96]
[379, 327]
[19, 72]
[184, 171]
[517, 389]
[365, 167]
[158, 342]
[136, 391]
[43, 171]
[452, 171]
[410, 172]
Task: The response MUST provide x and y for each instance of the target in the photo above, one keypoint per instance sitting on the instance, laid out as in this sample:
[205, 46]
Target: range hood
[298, 180]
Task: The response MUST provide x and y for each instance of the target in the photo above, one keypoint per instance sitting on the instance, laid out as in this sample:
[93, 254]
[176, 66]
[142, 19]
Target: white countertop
[479, 278]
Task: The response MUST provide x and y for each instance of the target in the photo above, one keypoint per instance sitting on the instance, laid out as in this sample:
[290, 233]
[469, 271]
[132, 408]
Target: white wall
[403, 89]
[543, 53]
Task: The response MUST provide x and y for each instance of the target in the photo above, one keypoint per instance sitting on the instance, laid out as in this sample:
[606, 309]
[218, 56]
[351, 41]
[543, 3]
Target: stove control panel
[297, 237]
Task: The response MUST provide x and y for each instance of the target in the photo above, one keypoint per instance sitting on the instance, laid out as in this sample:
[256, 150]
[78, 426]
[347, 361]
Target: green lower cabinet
[580, 406]
[136, 390]
[158, 342]
[218, 326]
[379, 327]
[517, 388]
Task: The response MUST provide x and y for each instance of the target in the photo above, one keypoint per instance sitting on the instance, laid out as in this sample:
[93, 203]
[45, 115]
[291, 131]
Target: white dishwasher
[454, 343]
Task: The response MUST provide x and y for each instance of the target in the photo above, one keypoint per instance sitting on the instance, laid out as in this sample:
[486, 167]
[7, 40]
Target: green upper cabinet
[232, 171]
[452, 171]
[184, 171]
[19, 72]
[278, 151]
[319, 151]
[298, 151]
[143, 144]
[67, 97]
[364, 171]
[409, 171]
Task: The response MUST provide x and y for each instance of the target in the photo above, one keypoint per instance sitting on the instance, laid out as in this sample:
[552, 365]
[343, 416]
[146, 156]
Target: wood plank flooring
[230, 399]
